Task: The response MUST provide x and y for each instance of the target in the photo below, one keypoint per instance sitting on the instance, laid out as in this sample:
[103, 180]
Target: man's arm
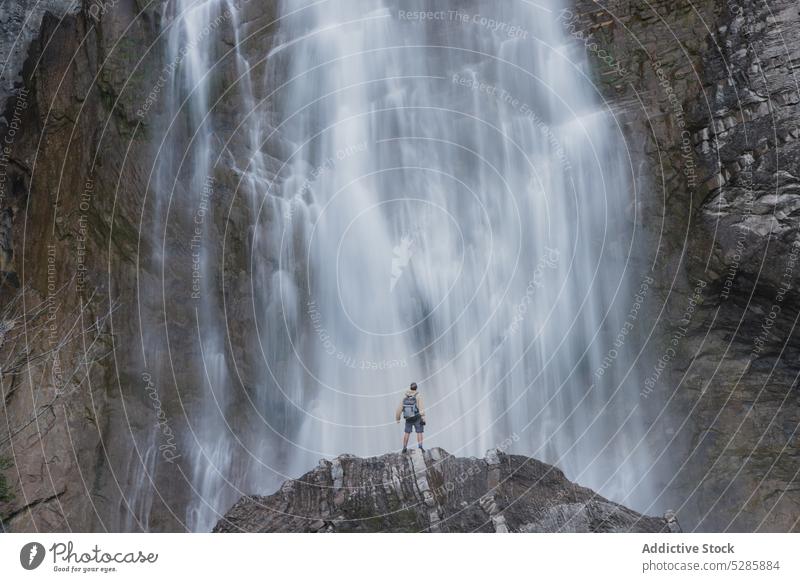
[421, 406]
[398, 412]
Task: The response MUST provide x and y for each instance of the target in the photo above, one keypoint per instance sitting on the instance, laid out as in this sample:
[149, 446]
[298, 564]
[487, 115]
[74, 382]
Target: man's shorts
[417, 424]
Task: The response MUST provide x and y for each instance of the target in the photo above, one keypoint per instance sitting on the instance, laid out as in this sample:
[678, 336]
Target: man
[412, 410]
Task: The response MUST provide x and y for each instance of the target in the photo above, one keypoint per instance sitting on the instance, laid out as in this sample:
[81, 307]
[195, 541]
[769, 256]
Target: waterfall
[438, 194]
[186, 256]
[460, 214]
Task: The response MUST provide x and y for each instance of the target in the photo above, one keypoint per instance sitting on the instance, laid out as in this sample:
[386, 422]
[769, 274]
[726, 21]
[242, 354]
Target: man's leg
[405, 439]
[419, 429]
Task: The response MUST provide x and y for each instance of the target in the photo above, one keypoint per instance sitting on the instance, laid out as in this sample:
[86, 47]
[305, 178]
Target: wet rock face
[65, 261]
[20, 23]
[747, 146]
[707, 93]
[434, 492]
[92, 429]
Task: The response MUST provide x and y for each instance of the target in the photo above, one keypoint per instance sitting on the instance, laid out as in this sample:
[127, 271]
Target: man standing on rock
[413, 411]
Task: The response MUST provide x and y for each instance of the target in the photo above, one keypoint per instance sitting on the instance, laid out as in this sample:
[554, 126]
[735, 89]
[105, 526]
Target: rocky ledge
[435, 492]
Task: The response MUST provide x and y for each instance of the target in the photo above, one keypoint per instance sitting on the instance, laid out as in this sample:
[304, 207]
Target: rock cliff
[435, 492]
[706, 93]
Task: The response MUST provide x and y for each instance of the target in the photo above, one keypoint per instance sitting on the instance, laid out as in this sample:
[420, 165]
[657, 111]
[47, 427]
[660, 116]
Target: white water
[184, 186]
[454, 209]
[482, 164]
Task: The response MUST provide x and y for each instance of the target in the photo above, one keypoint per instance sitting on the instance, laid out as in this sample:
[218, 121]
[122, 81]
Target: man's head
[413, 385]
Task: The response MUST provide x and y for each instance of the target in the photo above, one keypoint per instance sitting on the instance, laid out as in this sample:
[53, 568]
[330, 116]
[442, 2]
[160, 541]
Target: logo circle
[31, 555]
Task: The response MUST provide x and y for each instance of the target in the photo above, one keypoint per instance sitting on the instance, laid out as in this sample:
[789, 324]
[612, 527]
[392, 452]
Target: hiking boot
[405, 450]
[421, 449]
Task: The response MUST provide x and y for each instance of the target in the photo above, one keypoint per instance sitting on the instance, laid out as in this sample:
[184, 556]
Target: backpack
[410, 408]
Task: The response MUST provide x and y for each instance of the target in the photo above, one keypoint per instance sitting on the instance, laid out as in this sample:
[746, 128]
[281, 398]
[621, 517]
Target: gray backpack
[410, 408]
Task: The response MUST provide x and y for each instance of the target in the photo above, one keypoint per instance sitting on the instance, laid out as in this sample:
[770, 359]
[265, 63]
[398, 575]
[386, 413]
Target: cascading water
[453, 206]
[459, 214]
[184, 183]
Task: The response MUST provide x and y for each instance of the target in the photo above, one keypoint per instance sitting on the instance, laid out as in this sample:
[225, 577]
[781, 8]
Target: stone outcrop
[435, 492]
